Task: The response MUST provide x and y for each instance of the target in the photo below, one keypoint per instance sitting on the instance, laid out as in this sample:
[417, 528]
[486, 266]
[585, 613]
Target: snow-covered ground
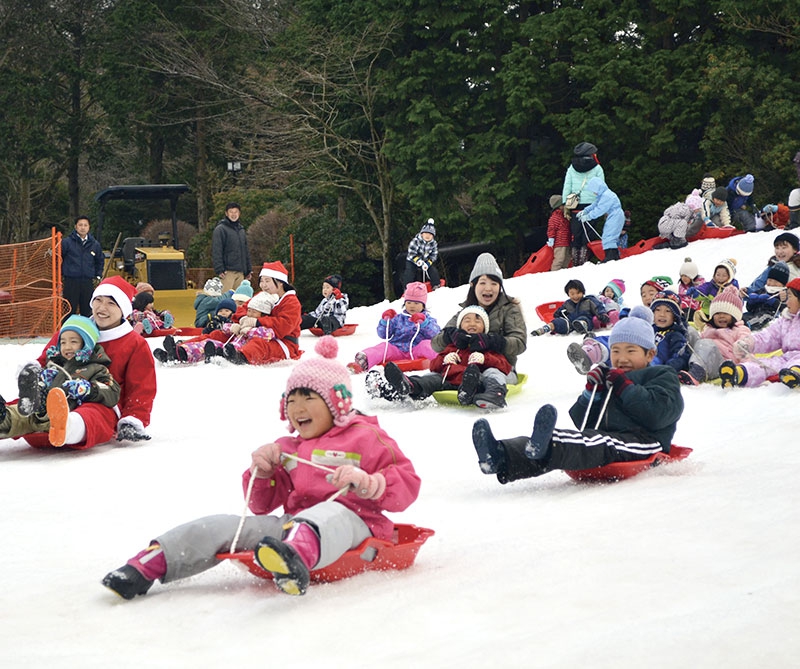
[693, 564]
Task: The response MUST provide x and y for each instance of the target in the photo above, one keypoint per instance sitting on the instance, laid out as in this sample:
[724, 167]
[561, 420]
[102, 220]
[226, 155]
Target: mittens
[389, 314]
[248, 322]
[266, 458]
[235, 328]
[77, 389]
[475, 358]
[618, 380]
[337, 293]
[418, 317]
[460, 338]
[127, 430]
[366, 486]
[452, 358]
[489, 341]
[596, 378]
[551, 241]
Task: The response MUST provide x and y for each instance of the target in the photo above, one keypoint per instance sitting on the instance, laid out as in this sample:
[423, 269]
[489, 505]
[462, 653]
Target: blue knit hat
[227, 303]
[666, 298]
[637, 329]
[86, 330]
[245, 288]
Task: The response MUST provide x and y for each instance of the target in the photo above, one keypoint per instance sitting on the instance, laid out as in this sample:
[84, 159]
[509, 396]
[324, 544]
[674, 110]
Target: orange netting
[30, 288]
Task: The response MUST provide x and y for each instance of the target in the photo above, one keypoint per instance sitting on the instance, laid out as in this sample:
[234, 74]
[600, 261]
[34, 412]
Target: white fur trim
[275, 275]
[76, 428]
[110, 290]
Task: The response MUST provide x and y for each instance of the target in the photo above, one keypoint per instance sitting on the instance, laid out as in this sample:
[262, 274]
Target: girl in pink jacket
[334, 480]
[715, 345]
[783, 335]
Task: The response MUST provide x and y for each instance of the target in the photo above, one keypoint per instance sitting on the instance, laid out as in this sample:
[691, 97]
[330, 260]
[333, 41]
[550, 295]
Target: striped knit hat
[727, 301]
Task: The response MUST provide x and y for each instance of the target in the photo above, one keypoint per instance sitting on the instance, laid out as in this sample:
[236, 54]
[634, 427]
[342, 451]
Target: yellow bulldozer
[162, 264]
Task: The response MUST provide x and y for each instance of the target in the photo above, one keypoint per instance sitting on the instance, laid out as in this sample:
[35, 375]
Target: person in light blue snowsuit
[607, 203]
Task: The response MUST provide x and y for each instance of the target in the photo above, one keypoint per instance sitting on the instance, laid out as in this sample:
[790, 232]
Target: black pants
[78, 292]
[414, 273]
[326, 323]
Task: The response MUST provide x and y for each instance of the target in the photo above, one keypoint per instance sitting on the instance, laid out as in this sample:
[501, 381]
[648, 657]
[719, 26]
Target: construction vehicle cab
[161, 264]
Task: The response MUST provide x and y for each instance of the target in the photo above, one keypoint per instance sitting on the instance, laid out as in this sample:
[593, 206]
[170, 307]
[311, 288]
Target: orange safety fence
[30, 288]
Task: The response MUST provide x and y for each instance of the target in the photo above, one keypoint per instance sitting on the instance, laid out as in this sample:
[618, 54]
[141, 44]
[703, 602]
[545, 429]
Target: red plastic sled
[545, 311]
[641, 246]
[714, 233]
[346, 329]
[181, 332]
[617, 471]
[372, 555]
[540, 261]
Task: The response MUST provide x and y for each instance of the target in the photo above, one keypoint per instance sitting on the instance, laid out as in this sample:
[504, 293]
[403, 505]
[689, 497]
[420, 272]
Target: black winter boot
[234, 356]
[677, 242]
[470, 382]
[127, 582]
[210, 350]
[161, 355]
[32, 394]
[491, 454]
[493, 397]
[397, 380]
[169, 347]
[611, 254]
[543, 426]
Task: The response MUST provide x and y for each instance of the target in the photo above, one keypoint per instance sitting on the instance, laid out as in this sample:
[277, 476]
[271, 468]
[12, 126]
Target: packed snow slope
[692, 564]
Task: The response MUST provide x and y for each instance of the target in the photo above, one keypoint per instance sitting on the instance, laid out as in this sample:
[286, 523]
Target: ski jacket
[505, 318]
[576, 181]
[283, 320]
[332, 306]
[736, 201]
[671, 346]
[675, 220]
[782, 334]
[725, 338]
[761, 280]
[706, 292]
[402, 331]
[650, 407]
[687, 301]
[229, 248]
[762, 302]
[258, 332]
[558, 228]
[205, 306]
[607, 203]
[588, 305]
[710, 210]
[419, 249]
[81, 258]
[216, 322]
[362, 443]
[454, 373]
[105, 390]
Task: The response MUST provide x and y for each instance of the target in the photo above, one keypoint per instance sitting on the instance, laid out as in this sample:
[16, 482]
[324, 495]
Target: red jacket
[558, 228]
[456, 372]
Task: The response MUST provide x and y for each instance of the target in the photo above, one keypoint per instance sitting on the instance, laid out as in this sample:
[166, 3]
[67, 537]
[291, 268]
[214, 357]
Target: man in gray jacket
[229, 251]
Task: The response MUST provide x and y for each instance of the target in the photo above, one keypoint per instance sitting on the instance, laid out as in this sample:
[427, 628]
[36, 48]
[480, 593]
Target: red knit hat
[118, 290]
[276, 270]
[326, 377]
[794, 284]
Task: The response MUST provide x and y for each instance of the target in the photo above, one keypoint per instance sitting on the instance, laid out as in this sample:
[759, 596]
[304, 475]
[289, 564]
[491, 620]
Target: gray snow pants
[192, 548]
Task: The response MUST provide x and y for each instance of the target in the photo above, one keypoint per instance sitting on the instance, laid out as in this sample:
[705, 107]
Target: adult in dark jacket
[229, 252]
[81, 265]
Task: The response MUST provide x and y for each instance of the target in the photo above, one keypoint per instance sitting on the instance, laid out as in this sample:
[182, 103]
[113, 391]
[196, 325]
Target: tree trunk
[201, 175]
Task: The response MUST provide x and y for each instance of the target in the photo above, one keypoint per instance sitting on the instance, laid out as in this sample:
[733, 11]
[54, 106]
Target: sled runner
[372, 555]
[617, 471]
[346, 329]
[450, 397]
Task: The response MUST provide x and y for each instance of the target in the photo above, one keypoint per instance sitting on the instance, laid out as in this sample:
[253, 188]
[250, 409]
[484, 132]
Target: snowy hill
[692, 564]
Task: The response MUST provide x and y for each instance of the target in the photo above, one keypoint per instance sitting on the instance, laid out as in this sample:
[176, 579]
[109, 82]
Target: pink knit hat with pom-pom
[326, 377]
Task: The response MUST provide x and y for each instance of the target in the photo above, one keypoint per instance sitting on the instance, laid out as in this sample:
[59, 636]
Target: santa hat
[666, 298]
[474, 309]
[416, 292]
[276, 270]
[727, 301]
[118, 290]
[326, 377]
[87, 331]
[636, 329]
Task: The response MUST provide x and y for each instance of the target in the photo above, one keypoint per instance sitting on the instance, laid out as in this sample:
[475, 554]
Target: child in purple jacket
[334, 480]
[407, 335]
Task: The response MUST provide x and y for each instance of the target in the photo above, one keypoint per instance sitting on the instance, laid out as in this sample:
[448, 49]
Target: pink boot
[150, 562]
[595, 350]
[290, 560]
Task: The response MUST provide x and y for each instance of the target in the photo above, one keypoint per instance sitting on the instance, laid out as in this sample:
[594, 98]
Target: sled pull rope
[603, 410]
[341, 491]
[411, 343]
[244, 511]
[588, 408]
[386, 342]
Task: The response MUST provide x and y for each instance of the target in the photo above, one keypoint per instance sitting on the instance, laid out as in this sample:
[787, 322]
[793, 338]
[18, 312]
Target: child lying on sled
[636, 407]
[334, 480]
[76, 372]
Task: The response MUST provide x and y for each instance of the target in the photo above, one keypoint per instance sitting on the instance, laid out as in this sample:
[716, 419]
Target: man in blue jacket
[81, 265]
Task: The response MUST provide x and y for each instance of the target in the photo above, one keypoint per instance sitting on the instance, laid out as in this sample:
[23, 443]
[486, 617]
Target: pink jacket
[297, 486]
[725, 338]
[782, 333]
